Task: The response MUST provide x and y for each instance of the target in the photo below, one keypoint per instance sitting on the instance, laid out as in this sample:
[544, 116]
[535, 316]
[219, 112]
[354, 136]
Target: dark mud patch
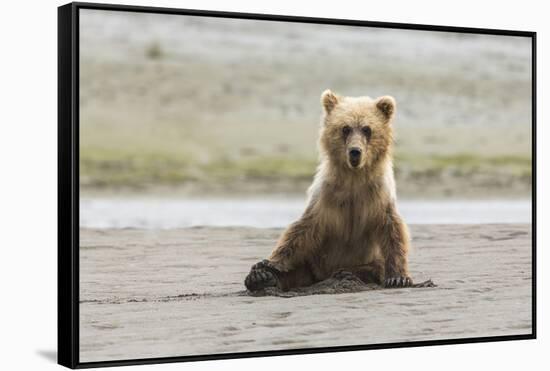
[341, 284]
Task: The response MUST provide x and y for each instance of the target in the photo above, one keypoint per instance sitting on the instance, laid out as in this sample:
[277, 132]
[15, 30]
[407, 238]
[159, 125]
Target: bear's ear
[386, 106]
[329, 100]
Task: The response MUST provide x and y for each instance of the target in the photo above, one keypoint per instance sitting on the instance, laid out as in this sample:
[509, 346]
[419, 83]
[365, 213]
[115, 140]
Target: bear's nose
[355, 153]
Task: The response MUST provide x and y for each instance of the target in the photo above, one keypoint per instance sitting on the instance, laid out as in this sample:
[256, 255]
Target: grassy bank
[416, 174]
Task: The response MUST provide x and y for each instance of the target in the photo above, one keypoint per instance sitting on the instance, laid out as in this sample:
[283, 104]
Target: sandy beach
[176, 292]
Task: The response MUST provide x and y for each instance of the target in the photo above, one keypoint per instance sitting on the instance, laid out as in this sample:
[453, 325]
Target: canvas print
[259, 185]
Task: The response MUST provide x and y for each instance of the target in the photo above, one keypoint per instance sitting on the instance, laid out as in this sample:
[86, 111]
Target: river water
[153, 213]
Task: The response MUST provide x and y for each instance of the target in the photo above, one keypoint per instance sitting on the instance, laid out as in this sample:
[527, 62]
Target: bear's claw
[399, 281]
[262, 274]
[266, 264]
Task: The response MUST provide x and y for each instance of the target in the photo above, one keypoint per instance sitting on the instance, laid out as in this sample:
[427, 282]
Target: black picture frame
[68, 182]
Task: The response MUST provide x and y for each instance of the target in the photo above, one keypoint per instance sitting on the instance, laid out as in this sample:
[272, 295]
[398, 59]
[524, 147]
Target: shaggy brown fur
[351, 222]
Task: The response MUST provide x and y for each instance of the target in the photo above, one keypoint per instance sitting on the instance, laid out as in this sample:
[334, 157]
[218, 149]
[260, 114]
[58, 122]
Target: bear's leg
[300, 276]
[369, 273]
[394, 242]
[264, 274]
[296, 245]
[286, 267]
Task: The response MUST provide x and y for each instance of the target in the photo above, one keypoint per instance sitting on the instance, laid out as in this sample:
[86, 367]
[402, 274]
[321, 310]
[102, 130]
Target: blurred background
[208, 121]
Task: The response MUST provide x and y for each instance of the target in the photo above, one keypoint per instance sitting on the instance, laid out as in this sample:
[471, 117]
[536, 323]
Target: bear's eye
[346, 130]
[367, 131]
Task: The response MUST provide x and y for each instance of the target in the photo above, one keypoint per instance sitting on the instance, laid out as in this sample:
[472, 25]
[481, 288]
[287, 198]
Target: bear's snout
[354, 156]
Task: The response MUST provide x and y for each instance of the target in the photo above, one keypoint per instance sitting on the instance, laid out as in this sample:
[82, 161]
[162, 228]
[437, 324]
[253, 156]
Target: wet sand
[176, 292]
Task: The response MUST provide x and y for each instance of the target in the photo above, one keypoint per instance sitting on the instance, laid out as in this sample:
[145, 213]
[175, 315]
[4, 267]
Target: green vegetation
[263, 168]
[106, 169]
[119, 168]
[464, 164]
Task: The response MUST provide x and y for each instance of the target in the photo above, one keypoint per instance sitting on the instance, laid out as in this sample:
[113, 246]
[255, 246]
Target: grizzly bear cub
[351, 221]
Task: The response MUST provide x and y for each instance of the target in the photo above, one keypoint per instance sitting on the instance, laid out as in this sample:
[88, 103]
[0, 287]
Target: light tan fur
[351, 222]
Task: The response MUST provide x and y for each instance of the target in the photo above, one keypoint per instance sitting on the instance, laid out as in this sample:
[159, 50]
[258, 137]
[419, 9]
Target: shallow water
[154, 213]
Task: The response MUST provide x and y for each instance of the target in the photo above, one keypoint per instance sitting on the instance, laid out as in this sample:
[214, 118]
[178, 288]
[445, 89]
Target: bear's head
[356, 132]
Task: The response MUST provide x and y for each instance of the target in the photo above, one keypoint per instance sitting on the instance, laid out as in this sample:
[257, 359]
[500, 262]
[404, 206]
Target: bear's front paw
[266, 264]
[262, 274]
[398, 281]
